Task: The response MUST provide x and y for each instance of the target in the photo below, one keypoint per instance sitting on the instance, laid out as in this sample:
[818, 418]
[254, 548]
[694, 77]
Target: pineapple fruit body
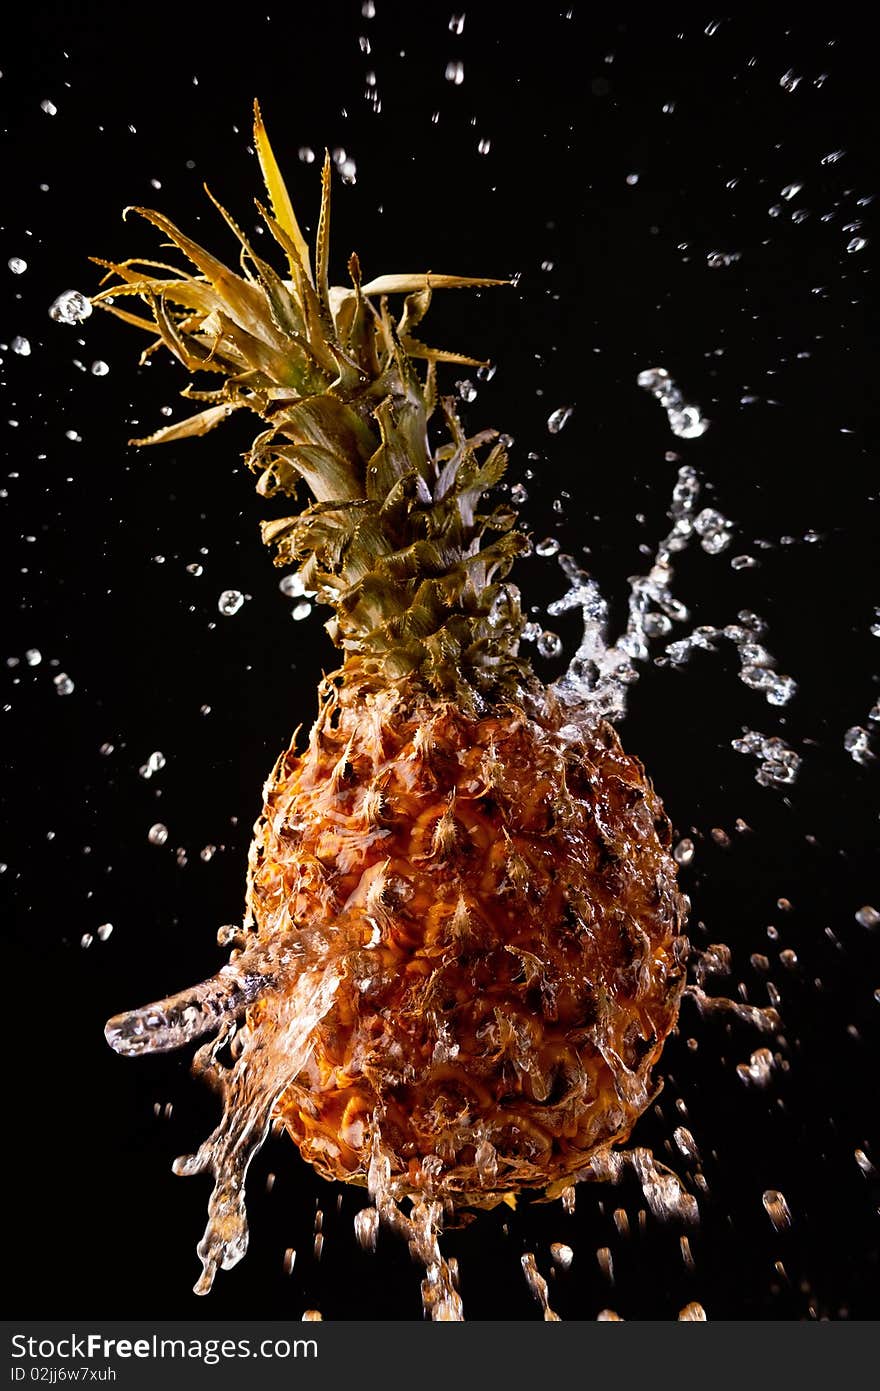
[501, 899]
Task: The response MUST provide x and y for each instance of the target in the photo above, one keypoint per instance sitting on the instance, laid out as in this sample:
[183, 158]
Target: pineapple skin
[503, 901]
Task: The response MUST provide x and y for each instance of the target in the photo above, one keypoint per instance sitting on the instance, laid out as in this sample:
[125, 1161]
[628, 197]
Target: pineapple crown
[393, 539]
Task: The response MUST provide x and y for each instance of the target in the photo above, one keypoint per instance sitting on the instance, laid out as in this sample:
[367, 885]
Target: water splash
[778, 765]
[757, 665]
[420, 1229]
[271, 1057]
[600, 673]
[665, 1194]
[597, 680]
[686, 421]
[538, 1286]
[766, 1019]
[190, 1014]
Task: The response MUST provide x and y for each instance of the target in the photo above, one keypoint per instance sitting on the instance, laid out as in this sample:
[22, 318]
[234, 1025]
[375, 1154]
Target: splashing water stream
[269, 1058]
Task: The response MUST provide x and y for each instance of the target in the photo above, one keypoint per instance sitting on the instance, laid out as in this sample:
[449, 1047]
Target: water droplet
[21, 346]
[789, 82]
[366, 1228]
[692, 1313]
[154, 764]
[550, 644]
[33, 656]
[71, 307]
[230, 602]
[456, 24]
[63, 684]
[559, 419]
[833, 157]
[656, 625]
[301, 611]
[549, 546]
[104, 931]
[86, 940]
[466, 390]
[687, 1145]
[195, 569]
[684, 851]
[207, 853]
[632, 179]
[790, 191]
[715, 260]
[455, 73]
[713, 529]
[484, 146]
[99, 368]
[857, 742]
[314, 1315]
[653, 379]
[291, 586]
[518, 494]
[562, 1254]
[756, 1072]
[780, 690]
[867, 916]
[49, 107]
[17, 265]
[743, 562]
[777, 1209]
[306, 155]
[688, 423]
[857, 244]
[157, 834]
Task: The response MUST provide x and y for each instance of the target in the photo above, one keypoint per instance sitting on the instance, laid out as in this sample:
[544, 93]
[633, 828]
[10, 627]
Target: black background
[572, 104]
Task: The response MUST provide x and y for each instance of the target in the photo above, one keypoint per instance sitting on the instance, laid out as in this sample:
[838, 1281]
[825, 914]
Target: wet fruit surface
[507, 918]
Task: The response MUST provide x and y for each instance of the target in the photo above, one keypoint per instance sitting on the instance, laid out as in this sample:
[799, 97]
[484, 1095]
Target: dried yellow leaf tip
[194, 425]
[277, 191]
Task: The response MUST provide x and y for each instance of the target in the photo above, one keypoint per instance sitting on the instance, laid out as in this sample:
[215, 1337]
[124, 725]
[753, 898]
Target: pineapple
[464, 898]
